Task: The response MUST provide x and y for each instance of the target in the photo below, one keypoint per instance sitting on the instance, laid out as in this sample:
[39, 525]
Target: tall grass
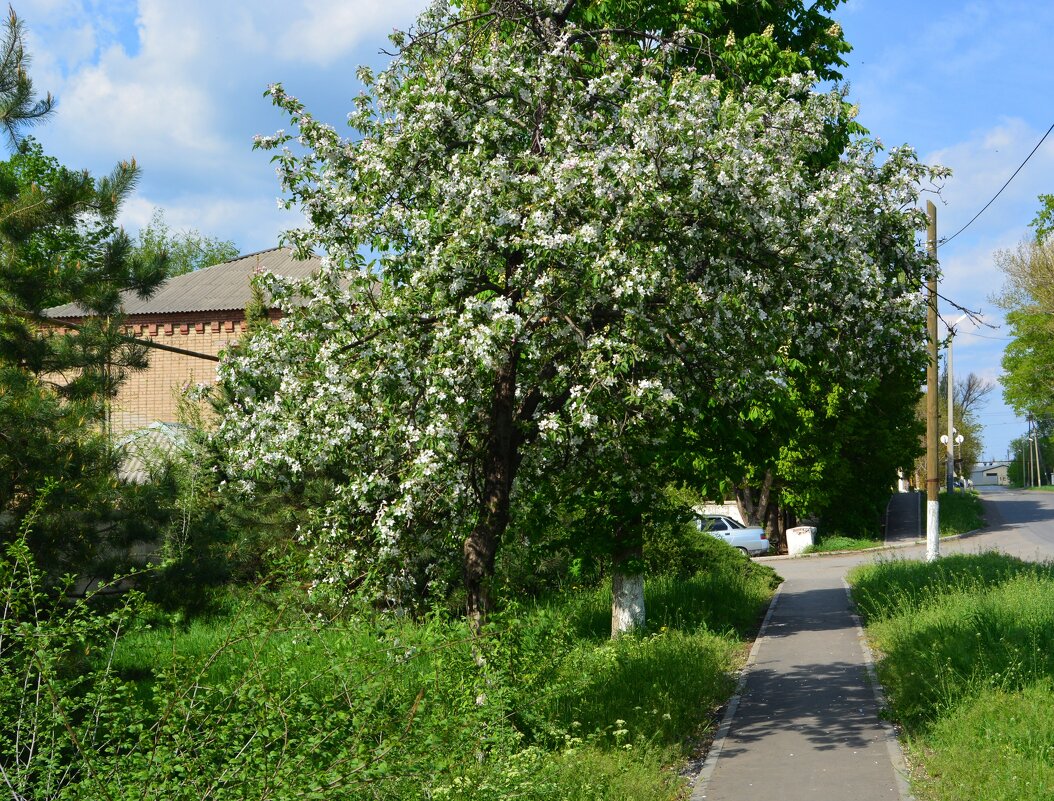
[967, 659]
[998, 746]
[960, 512]
[266, 700]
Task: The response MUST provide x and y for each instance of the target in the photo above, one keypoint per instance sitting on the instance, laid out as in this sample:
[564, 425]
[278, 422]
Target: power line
[948, 239]
[985, 336]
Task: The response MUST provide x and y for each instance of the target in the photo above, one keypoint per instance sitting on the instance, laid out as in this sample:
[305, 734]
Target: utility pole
[1031, 466]
[933, 533]
[949, 484]
[1024, 483]
[1039, 470]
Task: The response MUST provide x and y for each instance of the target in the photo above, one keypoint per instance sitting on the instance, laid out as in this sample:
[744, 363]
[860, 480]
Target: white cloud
[253, 222]
[139, 109]
[178, 85]
[330, 29]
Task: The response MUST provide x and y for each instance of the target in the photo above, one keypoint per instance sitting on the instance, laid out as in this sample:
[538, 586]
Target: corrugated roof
[150, 447]
[222, 287]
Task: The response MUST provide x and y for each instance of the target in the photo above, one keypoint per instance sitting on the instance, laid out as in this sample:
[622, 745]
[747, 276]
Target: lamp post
[951, 442]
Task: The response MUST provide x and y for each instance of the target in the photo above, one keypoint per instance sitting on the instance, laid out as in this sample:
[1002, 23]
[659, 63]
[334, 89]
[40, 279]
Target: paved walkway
[805, 725]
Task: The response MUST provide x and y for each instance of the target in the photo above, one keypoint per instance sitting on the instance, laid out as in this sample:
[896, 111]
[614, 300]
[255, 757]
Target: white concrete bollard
[800, 538]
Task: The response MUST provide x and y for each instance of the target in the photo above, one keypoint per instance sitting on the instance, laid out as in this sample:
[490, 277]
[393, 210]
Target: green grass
[545, 706]
[838, 542]
[960, 512]
[998, 746]
[967, 660]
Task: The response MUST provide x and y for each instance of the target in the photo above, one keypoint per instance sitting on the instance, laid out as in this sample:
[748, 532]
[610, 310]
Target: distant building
[990, 474]
[202, 311]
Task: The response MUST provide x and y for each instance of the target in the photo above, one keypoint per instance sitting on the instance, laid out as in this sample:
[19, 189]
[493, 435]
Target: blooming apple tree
[573, 244]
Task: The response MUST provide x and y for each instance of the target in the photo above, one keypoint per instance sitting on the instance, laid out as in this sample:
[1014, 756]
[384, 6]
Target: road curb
[702, 778]
[891, 547]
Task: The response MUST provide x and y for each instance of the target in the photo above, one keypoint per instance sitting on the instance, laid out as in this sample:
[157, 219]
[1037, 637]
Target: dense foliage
[267, 699]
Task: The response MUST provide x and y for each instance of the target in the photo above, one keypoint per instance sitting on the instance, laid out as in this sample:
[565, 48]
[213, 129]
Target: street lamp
[958, 440]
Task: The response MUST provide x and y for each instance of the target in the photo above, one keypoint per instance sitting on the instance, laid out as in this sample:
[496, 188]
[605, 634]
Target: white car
[751, 541]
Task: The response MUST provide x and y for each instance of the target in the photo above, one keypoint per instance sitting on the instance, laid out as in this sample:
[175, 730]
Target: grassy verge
[967, 660]
[269, 700]
[838, 542]
[960, 512]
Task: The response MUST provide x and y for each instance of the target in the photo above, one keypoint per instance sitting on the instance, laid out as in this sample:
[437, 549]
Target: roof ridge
[292, 254]
[229, 261]
[258, 253]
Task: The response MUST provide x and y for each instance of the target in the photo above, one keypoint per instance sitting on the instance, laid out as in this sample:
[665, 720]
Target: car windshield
[734, 523]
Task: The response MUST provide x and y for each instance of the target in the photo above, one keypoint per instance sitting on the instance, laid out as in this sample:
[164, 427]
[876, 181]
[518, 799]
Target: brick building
[201, 311]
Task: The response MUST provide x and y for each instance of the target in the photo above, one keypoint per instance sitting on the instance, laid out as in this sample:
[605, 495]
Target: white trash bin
[799, 538]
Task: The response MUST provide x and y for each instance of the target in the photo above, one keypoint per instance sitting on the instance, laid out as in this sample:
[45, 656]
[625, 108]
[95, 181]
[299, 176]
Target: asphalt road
[806, 724]
[1019, 522]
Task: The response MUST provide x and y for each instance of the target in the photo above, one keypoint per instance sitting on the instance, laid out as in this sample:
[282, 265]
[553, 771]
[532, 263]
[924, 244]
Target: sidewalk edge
[702, 779]
[896, 753]
[890, 547]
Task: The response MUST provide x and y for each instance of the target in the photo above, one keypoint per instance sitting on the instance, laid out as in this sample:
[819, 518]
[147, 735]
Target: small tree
[183, 251]
[1028, 299]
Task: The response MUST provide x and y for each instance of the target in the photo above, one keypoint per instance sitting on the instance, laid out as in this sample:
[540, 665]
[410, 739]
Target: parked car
[751, 541]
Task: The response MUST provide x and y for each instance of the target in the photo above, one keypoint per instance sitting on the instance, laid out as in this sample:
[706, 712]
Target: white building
[990, 474]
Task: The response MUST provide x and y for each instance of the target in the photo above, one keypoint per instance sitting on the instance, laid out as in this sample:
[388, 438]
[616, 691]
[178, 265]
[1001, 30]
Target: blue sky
[970, 86]
[179, 86]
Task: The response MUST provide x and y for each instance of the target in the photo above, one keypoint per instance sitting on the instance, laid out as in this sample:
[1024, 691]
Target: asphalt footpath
[805, 723]
[904, 519]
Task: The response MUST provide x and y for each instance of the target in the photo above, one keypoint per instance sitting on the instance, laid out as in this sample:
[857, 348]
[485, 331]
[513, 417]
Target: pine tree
[59, 244]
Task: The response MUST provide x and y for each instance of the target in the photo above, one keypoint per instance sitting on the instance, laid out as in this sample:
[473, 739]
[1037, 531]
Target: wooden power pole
[933, 533]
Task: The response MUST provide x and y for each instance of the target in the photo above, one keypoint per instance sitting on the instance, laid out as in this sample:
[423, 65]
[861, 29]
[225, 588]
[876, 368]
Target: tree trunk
[745, 504]
[755, 512]
[627, 601]
[777, 527]
[499, 467]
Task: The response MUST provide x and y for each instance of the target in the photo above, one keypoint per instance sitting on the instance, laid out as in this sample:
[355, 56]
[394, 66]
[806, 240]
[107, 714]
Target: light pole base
[933, 530]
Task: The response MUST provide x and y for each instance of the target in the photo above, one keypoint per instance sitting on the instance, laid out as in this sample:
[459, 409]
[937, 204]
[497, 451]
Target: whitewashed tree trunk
[627, 603]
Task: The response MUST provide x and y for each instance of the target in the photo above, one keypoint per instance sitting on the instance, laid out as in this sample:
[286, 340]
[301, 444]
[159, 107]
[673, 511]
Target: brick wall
[151, 395]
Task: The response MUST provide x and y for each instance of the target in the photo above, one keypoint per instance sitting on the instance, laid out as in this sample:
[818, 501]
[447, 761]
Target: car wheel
[744, 551]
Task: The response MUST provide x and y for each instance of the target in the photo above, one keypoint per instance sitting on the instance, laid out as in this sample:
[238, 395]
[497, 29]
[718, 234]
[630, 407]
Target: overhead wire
[984, 336]
[948, 239]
